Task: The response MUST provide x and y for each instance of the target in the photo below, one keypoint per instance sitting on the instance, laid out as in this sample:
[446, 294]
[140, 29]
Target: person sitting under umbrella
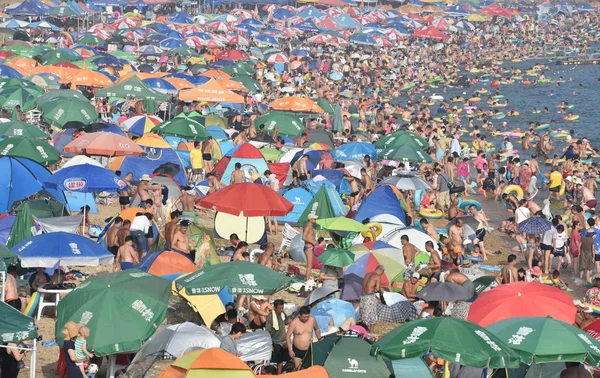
[409, 287]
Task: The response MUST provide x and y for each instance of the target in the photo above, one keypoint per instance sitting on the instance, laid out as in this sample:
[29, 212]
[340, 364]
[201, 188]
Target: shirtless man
[170, 229]
[456, 232]
[455, 276]
[435, 263]
[533, 207]
[367, 181]
[310, 241]
[408, 250]
[509, 273]
[534, 165]
[368, 300]
[188, 200]
[266, 258]
[238, 175]
[589, 200]
[455, 211]
[213, 183]
[301, 170]
[302, 328]
[11, 292]
[123, 232]
[429, 229]
[144, 188]
[112, 242]
[125, 194]
[409, 287]
[180, 241]
[127, 257]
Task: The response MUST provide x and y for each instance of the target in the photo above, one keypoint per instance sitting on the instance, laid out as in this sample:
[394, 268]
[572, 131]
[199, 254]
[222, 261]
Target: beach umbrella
[16, 327]
[45, 80]
[400, 138]
[59, 94]
[183, 51]
[85, 178]
[535, 225]
[405, 153]
[522, 299]
[535, 340]
[278, 58]
[367, 263]
[62, 110]
[21, 64]
[12, 96]
[240, 277]
[137, 299]
[482, 283]
[171, 43]
[338, 257]
[61, 248]
[58, 56]
[355, 151]
[182, 127]
[89, 78]
[91, 40]
[161, 85]
[34, 149]
[443, 291]
[212, 362]
[410, 182]
[150, 50]
[233, 200]
[140, 124]
[448, 338]
[296, 104]
[341, 224]
[104, 144]
[325, 104]
[319, 293]
[289, 124]
[248, 82]
[266, 40]
[9, 72]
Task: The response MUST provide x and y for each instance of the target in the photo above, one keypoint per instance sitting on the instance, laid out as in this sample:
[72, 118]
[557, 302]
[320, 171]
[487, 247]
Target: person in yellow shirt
[197, 162]
[556, 180]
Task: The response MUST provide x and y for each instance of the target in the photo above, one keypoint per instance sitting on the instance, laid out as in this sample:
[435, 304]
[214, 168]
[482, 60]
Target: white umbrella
[408, 183]
[353, 168]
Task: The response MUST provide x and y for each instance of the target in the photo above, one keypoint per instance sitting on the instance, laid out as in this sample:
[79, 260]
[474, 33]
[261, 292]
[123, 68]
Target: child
[500, 189]
[559, 247]
[81, 351]
[556, 281]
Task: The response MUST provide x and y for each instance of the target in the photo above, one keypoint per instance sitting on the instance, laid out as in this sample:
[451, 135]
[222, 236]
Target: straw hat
[72, 329]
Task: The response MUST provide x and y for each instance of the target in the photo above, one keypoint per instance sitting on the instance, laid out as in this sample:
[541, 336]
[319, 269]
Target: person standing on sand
[112, 242]
[310, 241]
[126, 257]
[170, 228]
[302, 328]
[368, 299]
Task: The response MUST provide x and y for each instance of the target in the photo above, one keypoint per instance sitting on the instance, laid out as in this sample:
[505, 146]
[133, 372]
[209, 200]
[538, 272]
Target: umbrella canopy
[16, 327]
[10, 97]
[443, 291]
[535, 225]
[483, 283]
[241, 277]
[451, 339]
[520, 299]
[288, 123]
[137, 299]
[34, 149]
[407, 153]
[534, 339]
[183, 127]
[140, 124]
[338, 257]
[233, 199]
[319, 293]
[21, 129]
[402, 137]
[61, 248]
[85, 178]
[355, 151]
[104, 144]
[341, 224]
[296, 104]
[62, 110]
[213, 362]
[407, 182]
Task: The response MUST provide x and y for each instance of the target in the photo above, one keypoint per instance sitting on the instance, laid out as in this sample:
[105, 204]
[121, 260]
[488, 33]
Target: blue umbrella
[155, 38]
[112, 128]
[300, 52]
[535, 225]
[9, 72]
[201, 35]
[174, 34]
[254, 22]
[171, 43]
[282, 14]
[61, 248]
[196, 80]
[267, 40]
[338, 309]
[161, 85]
[181, 19]
[150, 50]
[336, 76]
[362, 39]
[108, 60]
[355, 151]
[247, 28]
[161, 28]
[85, 178]
[217, 132]
[222, 63]
[20, 179]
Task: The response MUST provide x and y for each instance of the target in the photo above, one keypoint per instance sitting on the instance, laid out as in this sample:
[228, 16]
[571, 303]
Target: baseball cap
[416, 275]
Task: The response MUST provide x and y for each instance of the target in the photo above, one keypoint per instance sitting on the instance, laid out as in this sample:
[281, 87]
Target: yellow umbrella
[475, 18]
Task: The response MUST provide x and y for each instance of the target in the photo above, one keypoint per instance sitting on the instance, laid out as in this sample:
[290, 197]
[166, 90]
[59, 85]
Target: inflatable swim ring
[526, 82]
[542, 127]
[574, 117]
[32, 305]
[514, 189]
[431, 213]
[466, 204]
[499, 116]
[369, 234]
[475, 99]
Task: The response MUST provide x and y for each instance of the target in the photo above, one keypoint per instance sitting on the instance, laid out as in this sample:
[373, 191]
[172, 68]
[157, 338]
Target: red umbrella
[594, 330]
[232, 55]
[430, 32]
[521, 299]
[104, 144]
[253, 200]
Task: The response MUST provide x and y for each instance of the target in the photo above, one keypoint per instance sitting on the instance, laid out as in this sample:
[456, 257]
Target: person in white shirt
[455, 146]
[273, 182]
[139, 228]
[509, 147]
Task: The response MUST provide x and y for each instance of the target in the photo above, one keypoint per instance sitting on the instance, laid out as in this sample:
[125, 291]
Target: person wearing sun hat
[69, 333]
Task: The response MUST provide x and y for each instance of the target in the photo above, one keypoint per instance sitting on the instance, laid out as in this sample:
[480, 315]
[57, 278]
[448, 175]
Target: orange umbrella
[179, 83]
[211, 91]
[152, 140]
[63, 73]
[232, 85]
[90, 78]
[215, 74]
[23, 65]
[104, 144]
[296, 104]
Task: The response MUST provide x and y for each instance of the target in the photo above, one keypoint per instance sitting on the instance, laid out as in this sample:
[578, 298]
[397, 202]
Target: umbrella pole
[84, 208]
[246, 237]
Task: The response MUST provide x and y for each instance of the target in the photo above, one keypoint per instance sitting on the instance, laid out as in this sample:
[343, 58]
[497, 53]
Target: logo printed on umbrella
[75, 248]
[488, 341]
[86, 317]
[519, 337]
[141, 307]
[124, 145]
[75, 183]
[247, 279]
[414, 335]
[7, 149]
[353, 367]
[42, 152]
[24, 246]
[122, 184]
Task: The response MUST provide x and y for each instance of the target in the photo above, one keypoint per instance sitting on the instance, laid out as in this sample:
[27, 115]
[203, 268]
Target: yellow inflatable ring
[431, 213]
[514, 189]
[32, 305]
[369, 234]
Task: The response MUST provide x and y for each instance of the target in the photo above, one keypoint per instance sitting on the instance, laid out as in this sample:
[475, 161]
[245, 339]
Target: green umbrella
[19, 83]
[92, 40]
[248, 82]
[341, 224]
[57, 56]
[38, 50]
[405, 152]
[12, 96]
[320, 205]
[184, 128]
[183, 51]
[63, 10]
[338, 257]
[18, 49]
[15, 326]
[62, 110]
[89, 63]
[483, 283]
[242, 277]
[448, 338]
[62, 94]
[123, 55]
[289, 124]
[132, 88]
[325, 104]
[34, 149]
[7, 257]
[538, 339]
[234, 71]
[402, 137]
[121, 309]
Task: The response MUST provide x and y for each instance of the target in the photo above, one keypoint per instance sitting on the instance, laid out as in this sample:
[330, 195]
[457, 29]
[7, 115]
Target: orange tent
[168, 262]
[152, 140]
[23, 65]
[296, 104]
[104, 144]
[211, 91]
[129, 213]
[212, 362]
[216, 73]
[90, 78]
[311, 372]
